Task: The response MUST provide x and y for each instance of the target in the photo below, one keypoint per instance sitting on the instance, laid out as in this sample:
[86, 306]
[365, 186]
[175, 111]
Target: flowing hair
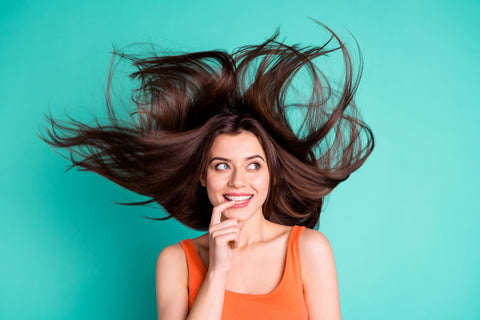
[184, 101]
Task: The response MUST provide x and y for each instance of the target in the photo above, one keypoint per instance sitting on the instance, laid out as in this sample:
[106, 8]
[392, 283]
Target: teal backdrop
[404, 228]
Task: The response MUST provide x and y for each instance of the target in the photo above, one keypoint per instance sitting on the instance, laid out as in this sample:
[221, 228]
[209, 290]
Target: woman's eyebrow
[255, 156]
[218, 158]
[228, 160]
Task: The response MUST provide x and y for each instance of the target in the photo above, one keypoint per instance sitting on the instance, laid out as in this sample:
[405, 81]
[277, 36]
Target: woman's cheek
[215, 197]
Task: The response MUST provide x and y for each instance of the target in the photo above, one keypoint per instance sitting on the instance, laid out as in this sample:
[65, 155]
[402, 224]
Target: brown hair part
[183, 102]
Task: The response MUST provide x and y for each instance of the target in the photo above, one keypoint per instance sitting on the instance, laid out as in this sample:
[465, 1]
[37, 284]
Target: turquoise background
[404, 228]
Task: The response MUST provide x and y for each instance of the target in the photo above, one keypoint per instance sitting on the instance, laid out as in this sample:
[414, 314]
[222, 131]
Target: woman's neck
[254, 230]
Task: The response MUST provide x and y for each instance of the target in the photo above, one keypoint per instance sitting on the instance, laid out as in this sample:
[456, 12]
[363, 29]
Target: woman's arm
[172, 289]
[172, 273]
[319, 276]
[172, 284]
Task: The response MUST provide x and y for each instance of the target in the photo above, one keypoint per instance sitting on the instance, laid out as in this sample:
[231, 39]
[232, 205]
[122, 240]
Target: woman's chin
[240, 214]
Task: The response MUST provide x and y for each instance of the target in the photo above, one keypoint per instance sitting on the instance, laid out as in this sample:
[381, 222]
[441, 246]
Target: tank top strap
[196, 270]
[293, 267]
[294, 246]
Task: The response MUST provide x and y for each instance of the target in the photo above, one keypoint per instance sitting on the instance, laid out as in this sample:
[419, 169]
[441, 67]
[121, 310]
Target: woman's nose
[237, 179]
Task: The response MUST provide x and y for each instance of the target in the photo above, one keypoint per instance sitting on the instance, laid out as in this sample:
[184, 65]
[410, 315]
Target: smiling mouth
[238, 199]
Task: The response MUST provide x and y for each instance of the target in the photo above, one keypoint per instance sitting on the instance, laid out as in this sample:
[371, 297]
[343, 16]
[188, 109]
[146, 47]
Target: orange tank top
[286, 301]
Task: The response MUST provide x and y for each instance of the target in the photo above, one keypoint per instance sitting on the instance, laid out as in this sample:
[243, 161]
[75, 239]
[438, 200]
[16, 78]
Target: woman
[212, 142]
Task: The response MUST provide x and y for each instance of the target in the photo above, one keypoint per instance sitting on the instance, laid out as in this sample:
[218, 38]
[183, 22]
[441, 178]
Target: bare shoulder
[172, 258]
[314, 247]
[172, 252]
[314, 240]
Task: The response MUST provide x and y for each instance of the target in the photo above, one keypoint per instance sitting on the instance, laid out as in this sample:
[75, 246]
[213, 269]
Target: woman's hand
[223, 237]
[209, 301]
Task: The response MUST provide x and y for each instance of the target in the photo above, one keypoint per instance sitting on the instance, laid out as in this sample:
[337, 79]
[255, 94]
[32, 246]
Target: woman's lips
[241, 200]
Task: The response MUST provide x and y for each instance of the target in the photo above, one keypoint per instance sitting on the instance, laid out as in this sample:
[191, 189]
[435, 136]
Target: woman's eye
[221, 166]
[254, 166]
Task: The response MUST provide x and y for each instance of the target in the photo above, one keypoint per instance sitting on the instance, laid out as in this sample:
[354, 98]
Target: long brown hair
[183, 102]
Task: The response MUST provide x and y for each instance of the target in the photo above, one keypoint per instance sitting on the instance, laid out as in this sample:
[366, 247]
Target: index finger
[217, 212]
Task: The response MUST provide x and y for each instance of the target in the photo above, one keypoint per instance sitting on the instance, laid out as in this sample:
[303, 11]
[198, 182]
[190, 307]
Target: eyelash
[219, 164]
[257, 166]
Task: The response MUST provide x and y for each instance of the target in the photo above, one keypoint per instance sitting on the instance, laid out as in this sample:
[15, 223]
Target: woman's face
[237, 171]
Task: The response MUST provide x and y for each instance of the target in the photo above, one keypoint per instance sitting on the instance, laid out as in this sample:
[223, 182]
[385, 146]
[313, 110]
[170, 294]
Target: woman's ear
[202, 181]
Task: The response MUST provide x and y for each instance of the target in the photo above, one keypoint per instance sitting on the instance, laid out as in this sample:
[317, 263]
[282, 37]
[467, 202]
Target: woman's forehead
[236, 146]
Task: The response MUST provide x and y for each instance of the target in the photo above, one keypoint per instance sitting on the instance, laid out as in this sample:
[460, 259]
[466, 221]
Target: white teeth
[238, 198]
